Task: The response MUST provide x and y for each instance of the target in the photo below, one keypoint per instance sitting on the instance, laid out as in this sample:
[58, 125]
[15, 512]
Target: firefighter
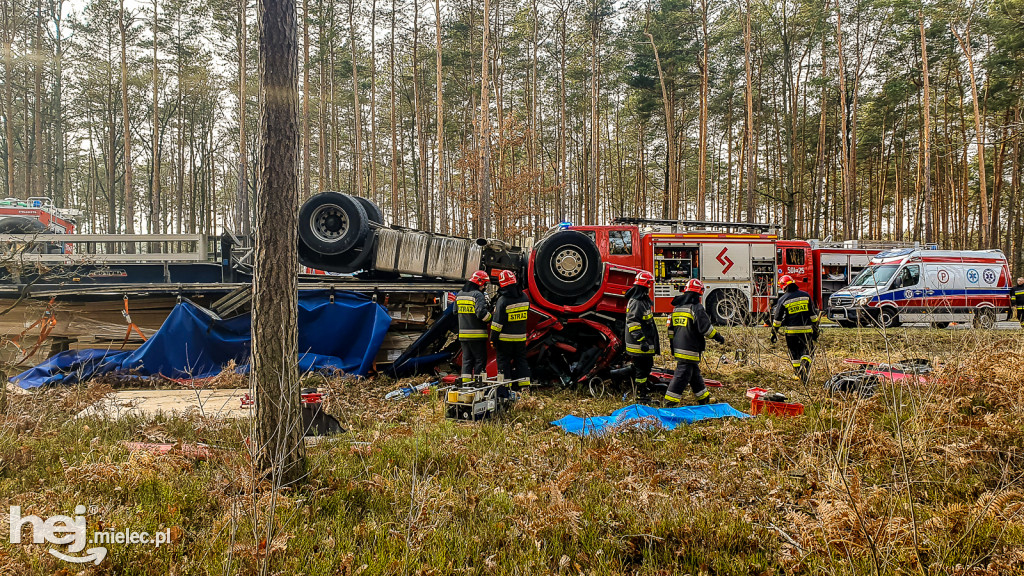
[1018, 300]
[688, 327]
[797, 318]
[642, 341]
[508, 330]
[474, 313]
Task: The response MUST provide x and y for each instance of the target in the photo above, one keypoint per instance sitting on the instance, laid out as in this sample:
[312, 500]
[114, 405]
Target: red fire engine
[739, 263]
[37, 215]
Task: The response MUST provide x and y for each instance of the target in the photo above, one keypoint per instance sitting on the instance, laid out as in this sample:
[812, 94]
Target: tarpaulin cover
[192, 343]
[639, 416]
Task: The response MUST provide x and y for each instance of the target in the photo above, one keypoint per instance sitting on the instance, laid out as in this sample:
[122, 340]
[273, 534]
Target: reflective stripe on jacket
[795, 313]
[473, 313]
[640, 327]
[510, 316]
[688, 328]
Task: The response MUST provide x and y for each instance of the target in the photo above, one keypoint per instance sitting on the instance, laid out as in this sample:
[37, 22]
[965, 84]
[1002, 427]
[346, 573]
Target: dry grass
[919, 479]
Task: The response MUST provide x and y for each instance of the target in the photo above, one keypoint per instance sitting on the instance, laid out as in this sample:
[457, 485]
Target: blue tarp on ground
[343, 334]
[639, 416]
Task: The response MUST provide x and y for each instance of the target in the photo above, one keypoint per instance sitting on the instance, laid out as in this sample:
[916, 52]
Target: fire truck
[35, 215]
[739, 263]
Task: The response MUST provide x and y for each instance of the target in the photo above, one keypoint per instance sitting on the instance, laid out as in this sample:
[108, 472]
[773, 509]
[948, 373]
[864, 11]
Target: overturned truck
[577, 301]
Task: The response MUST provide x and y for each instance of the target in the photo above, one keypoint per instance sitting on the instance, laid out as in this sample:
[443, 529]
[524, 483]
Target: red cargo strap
[47, 322]
[131, 325]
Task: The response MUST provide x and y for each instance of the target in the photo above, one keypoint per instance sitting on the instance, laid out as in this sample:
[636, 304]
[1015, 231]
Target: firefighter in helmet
[508, 329]
[642, 341]
[474, 313]
[688, 327]
[796, 317]
[1018, 300]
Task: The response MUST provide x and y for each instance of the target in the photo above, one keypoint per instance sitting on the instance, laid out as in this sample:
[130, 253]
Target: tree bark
[129, 190]
[751, 158]
[984, 227]
[305, 99]
[278, 423]
[243, 219]
[484, 194]
[154, 207]
[703, 128]
[357, 117]
[439, 104]
[929, 227]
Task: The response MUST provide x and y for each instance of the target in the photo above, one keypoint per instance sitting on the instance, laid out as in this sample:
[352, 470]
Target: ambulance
[933, 286]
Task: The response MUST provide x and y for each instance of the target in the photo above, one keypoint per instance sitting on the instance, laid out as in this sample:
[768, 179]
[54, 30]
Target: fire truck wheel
[727, 307]
[373, 213]
[569, 264]
[985, 319]
[331, 223]
[888, 317]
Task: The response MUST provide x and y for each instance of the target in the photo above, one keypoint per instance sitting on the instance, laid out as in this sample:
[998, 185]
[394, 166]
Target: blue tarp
[639, 416]
[343, 334]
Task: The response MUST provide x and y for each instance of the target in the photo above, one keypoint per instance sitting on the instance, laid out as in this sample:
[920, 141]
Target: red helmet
[645, 279]
[480, 278]
[694, 285]
[506, 278]
[785, 281]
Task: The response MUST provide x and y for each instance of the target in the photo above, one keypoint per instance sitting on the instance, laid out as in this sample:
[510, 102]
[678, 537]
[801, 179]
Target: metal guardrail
[105, 248]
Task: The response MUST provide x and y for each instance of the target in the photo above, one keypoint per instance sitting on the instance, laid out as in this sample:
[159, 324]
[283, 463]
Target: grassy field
[919, 479]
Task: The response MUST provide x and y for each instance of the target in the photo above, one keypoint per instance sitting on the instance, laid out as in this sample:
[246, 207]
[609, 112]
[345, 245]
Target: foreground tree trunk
[278, 424]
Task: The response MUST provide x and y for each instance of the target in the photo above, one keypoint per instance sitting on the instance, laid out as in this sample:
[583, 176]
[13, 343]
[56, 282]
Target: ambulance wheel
[331, 223]
[568, 264]
[888, 317]
[728, 308]
[940, 325]
[985, 319]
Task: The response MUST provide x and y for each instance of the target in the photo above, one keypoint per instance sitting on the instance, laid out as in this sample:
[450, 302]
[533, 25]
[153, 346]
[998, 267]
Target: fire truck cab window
[794, 257]
[620, 242]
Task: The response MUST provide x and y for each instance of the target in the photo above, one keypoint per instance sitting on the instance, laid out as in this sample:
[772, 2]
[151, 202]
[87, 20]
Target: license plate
[839, 314]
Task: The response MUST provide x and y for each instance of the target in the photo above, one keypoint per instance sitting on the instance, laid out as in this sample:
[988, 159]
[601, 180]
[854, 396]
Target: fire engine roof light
[564, 225]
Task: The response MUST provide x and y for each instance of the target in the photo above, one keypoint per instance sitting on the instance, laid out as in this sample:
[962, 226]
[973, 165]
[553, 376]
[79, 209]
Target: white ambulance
[934, 286]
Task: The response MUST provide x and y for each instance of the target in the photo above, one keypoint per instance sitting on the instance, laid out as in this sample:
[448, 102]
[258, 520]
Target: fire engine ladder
[691, 225]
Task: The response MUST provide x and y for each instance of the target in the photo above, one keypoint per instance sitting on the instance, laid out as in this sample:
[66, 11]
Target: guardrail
[104, 248]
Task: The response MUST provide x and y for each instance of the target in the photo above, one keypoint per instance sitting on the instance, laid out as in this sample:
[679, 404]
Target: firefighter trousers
[512, 361]
[801, 350]
[687, 374]
[1020, 315]
[642, 366]
[474, 358]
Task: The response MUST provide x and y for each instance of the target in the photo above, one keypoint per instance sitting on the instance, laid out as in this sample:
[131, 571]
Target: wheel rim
[569, 263]
[727, 310]
[886, 317]
[329, 222]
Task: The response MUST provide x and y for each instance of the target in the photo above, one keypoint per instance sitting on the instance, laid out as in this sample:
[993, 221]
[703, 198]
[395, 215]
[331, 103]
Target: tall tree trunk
[984, 227]
[243, 222]
[672, 202]
[929, 226]
[373, 103]
[58, 102]
[484, 196]
[751, 157]
[8, 40]
[394, 121]
[439, 104]
[703, 122]
[357, 117]
[154, 208]
[848, 231]
[280, 454]
[129, 190]
[305, 99]
[37, 105]
[593, 201]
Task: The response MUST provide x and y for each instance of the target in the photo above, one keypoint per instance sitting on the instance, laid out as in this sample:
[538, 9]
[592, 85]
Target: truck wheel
[373, 213]
[727, 308]
[353, 260]
[985, 319]
[330, 223]
[888, 317]
[568, 264]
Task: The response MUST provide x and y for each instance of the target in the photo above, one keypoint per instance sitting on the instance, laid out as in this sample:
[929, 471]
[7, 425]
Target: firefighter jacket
[795, 313]
[641, 332]
[473, 313]
[510, 315]
[688, 328]
[1018, 296]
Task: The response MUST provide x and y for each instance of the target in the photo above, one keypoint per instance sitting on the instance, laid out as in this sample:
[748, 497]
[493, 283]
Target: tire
[373, 213]
[985, 319]
[940, 325]
[351, 261]
[331, 223]
[568, 264]
[727, 308]
[888, 317]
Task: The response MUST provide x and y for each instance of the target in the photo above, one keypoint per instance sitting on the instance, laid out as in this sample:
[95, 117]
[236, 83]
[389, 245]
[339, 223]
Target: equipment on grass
[480, 399]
